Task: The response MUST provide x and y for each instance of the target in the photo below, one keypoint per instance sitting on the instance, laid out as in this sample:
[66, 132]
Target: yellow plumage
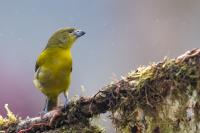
[54, 66]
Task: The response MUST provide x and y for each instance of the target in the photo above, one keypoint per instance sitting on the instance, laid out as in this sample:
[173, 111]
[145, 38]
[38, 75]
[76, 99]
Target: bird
[53, 67]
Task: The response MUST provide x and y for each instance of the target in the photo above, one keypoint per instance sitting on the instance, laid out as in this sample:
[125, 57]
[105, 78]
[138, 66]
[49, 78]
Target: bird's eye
[71, 30]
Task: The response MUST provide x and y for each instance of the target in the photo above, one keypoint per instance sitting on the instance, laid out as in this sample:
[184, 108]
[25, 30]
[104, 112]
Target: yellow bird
[54, 66]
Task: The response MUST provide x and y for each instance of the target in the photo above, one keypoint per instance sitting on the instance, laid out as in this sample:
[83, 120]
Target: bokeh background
[121, 35]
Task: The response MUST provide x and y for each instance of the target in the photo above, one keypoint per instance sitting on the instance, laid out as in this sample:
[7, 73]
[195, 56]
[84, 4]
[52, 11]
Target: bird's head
[64, 37]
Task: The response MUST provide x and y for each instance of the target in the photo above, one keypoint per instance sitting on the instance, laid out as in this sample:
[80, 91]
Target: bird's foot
[66, 106]
[56, 114]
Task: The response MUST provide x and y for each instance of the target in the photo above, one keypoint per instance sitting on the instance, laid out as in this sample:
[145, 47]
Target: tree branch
[161, 97]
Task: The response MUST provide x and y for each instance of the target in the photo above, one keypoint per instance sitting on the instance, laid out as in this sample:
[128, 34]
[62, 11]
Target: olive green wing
[40, 60]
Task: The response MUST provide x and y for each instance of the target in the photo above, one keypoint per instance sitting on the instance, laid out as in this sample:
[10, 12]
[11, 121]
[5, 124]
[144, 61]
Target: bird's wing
[40, 61]
[36, 66]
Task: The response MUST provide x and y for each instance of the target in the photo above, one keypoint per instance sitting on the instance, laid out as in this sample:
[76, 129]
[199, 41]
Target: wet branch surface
[131, 100]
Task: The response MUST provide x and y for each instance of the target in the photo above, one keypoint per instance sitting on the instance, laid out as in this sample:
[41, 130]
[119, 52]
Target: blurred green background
[120, 36]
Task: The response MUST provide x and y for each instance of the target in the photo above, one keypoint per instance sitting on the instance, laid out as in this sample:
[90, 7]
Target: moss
[142, 75]
[10, 119]
[78, 128]
[161, 97]
[164, 94]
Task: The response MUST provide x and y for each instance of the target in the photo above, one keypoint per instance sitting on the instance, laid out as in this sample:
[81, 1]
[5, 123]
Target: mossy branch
[162, 97]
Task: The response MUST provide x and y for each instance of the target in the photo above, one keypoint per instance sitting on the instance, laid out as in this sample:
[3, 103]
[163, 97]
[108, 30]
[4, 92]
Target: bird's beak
[79, 33]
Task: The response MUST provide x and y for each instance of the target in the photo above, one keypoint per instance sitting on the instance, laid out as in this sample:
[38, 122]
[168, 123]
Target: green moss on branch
[162, 97]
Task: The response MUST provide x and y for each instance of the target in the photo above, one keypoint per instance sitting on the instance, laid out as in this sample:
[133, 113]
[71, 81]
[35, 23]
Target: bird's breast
[54, 74]
[60, 61]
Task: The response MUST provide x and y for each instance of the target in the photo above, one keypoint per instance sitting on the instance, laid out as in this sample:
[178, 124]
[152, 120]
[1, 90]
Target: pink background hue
[121, 35]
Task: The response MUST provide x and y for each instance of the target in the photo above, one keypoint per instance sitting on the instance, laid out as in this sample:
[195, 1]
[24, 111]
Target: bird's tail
[50, 104]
